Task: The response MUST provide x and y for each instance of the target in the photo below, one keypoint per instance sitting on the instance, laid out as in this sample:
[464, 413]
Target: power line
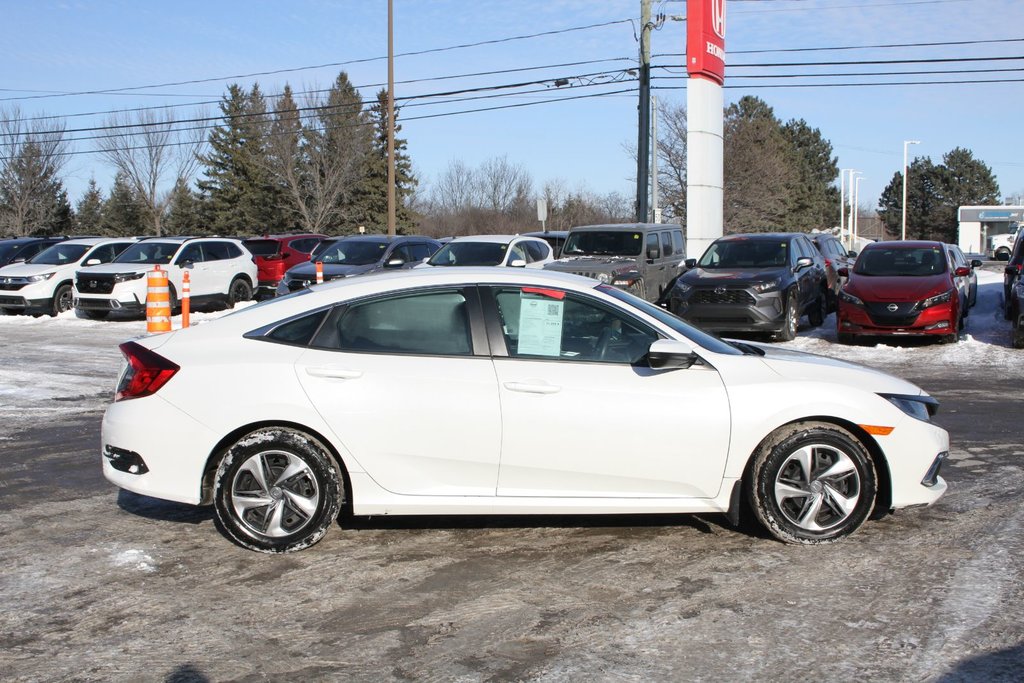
[859, 74]
[364, 60]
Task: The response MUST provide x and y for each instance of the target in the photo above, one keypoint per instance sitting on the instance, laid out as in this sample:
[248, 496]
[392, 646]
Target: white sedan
[497, 391]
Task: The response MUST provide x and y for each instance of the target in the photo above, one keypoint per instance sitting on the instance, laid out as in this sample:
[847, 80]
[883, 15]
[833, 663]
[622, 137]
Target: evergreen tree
[123, 212]
[343, 138]
[62, 221]
[89, 210]
[32, 197]
[185, 212]
[370, 202]
[814, 201]
[242, 197]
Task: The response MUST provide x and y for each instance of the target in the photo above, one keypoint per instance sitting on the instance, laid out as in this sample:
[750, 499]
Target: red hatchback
[902, 288]
[275, 254]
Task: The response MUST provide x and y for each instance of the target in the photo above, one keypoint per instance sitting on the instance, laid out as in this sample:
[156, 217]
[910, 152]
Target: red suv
[902, 289]
[275, 254]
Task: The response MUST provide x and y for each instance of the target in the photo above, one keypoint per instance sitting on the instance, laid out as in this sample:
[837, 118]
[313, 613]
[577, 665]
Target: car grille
[95, 284]
[723, 295]
[11, 285]
[94, 304]
[904, 315]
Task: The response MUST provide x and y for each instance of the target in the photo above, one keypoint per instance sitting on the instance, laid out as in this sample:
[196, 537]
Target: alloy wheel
[817, 487]
[274, 494]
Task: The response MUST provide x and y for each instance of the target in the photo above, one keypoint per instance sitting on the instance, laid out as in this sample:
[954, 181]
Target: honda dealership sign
[705, 39]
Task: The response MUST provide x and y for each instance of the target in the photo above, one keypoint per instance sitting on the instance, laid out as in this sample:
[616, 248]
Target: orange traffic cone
[319, 272]
[158, 302]
[186, 298]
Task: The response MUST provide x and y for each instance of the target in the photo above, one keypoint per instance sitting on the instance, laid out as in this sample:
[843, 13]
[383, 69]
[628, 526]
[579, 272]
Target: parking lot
[107, 585]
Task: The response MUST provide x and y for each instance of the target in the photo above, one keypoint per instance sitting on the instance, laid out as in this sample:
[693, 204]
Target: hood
[896, 289]
[111, 268]
[30, 269]
[803, 366]
[608, 264]
[733, 276]
[307, 270]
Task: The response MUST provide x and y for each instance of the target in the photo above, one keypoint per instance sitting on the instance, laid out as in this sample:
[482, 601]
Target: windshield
[262, 247]
[901, 262]
[469, 254]
[746, 253]
[599, 243]
[148, 251]
[7, 251]
[60, 254]
[350, 252]
[698, 337]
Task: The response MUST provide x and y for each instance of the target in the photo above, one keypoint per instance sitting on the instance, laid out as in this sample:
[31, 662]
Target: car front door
[413, 355]
[582, 413]
[200, 277]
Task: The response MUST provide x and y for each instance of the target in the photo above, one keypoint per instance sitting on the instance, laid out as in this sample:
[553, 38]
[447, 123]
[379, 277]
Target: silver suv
[642, 258]
[221, 273]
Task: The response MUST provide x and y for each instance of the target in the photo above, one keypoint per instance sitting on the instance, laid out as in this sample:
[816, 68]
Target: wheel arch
[219, 450]
[883, 494]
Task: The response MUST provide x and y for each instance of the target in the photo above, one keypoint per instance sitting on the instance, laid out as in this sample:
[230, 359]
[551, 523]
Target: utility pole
[655, 211]
[644, 109]
[391, 120]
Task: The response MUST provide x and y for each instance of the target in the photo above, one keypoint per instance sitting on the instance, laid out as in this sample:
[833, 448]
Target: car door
[201, 280]
[582, 413]
[413, 355]
[811, 277]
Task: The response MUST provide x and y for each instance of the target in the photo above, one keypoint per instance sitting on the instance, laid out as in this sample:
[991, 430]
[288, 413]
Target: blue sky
[76, 45]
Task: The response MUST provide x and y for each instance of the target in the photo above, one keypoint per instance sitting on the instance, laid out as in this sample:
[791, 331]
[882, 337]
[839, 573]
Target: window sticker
[540, 326]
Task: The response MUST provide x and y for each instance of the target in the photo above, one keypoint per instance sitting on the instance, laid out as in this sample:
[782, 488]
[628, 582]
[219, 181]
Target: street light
[906, 143]
[844, 234]
[856, 204]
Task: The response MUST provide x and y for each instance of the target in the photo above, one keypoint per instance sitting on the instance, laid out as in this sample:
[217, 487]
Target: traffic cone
[158, 302]
[319, 272]
[186, 296]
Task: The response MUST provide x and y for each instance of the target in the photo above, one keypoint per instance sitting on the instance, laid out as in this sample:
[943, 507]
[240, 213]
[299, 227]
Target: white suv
[43, 283]
[221, 272]
[493, 250]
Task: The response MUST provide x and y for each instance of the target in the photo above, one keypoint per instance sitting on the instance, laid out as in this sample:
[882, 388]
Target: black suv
[358, 255]
[1011, 274]
[24, 248]
[761, 282]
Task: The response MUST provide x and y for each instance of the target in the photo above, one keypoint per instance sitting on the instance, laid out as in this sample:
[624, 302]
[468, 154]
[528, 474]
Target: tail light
[146, 372]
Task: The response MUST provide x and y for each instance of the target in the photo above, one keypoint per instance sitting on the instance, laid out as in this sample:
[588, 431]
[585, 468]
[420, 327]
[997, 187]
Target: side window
[192, 252]
[304, 245]
[677, 242]
[431, 324]
[218, 251]
[401, 252]
[421, 250]
[517, 253]
[298, 332]
[666, 243]
[555, 325]
[536, 251]
[653, 251]
[105, 253]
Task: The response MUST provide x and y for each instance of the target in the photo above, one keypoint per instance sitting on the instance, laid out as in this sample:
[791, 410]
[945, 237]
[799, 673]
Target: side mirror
[803, 262]
[851, 254]
[962, 271]
[93, 262]
[652, 253]
[20, 259]
[188, 264]
[670, 354]
[844, 272]
[396, 262]
[517, 263]
[976, 263]
[690, 263]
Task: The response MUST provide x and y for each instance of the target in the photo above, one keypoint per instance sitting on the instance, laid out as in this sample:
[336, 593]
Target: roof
[385, 239]
[761, 236]
[629, 227]
[492, 239]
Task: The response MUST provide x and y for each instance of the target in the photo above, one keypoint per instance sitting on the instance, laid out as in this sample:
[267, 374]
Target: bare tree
[154, 154]
[455, 190]
[503, 186]
[32, 154]
[672, 159]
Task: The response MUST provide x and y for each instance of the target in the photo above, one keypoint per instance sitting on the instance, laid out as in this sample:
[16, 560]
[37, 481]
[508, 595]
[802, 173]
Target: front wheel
[277, 490]
[63, 300]
[790, 318]
[812, 483]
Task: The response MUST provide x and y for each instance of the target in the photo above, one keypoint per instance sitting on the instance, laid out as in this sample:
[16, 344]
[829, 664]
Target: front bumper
[20, 303]
[723, 309]
[935, 321]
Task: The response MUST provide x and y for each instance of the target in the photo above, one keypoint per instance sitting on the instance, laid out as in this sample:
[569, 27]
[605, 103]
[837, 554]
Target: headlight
[769, 286]
[682, 288]
[625, 279]
[921, 407]
[125, 277]
[41, 277]
[849, 298]
[604, 278]
[937, 299]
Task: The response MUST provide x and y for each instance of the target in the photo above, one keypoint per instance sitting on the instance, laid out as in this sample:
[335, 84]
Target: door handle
[332, 372]
[526, 388]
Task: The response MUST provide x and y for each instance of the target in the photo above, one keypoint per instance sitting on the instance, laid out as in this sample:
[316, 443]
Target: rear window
[263, 247]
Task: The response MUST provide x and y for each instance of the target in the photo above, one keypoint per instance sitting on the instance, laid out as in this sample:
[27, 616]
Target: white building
[979, 224]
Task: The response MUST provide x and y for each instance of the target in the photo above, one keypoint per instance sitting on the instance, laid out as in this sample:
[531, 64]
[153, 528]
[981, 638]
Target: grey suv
[758, 282]
[642, 258]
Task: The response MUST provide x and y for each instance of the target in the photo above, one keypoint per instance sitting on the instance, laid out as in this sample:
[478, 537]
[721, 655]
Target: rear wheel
[239, 291]
[812, 483]
[819, 310]
[277, 490]
[63, 300]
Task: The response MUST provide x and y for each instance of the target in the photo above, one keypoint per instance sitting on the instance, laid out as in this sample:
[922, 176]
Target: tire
[63, 300]
[790, 319]
[238, 291]
[94, 315]
[955, 336]
[819, 310]
[819, 507]
[1018, 338]
[262, 511]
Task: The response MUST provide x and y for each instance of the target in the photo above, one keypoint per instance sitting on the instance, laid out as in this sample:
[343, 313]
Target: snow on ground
[55, 366]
